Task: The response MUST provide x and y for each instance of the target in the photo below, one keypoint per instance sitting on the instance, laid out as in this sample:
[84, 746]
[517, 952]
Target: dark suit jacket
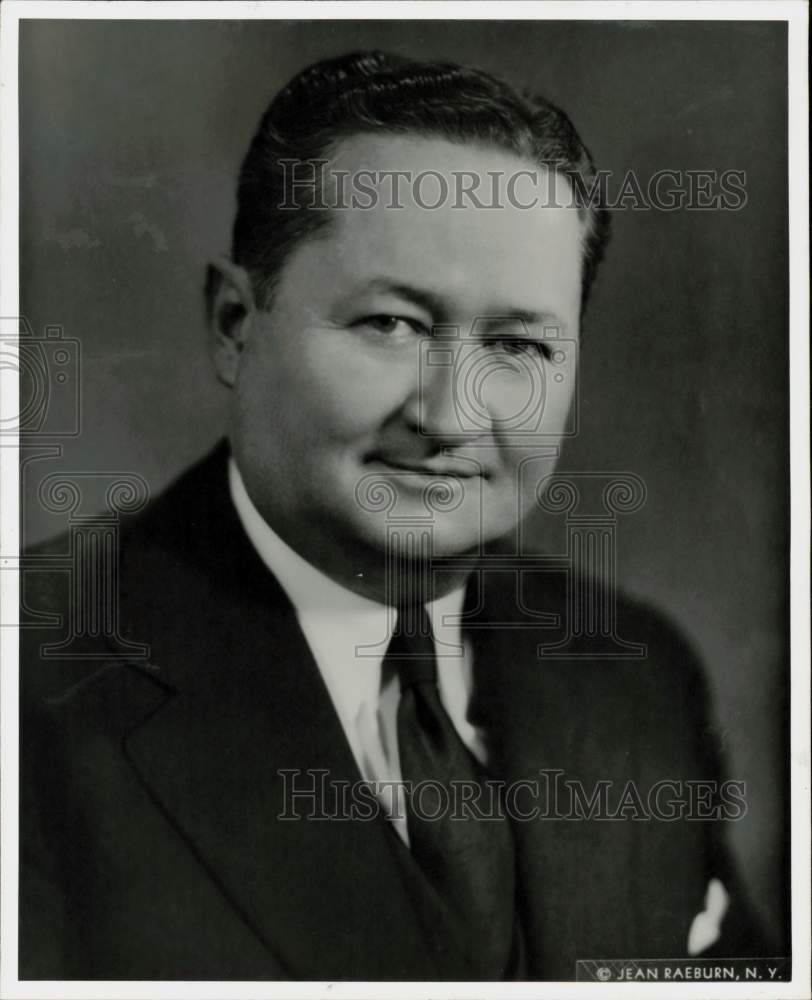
[150, 840]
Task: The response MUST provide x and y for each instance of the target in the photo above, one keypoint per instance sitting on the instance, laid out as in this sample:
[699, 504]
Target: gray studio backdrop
[131, 137]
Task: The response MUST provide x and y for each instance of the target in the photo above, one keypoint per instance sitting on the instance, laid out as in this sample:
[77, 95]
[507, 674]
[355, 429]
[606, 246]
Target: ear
[230, 307]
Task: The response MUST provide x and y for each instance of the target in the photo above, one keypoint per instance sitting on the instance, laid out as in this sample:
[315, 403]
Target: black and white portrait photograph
[405, 512]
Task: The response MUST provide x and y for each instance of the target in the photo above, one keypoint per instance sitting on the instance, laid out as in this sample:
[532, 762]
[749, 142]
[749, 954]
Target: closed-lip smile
[442, 466]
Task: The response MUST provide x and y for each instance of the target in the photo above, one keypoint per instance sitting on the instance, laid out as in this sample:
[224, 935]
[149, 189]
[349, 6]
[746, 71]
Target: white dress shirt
[348, 636]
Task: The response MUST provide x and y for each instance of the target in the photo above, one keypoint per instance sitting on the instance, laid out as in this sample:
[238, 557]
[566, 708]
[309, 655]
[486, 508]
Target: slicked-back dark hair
[375, 92]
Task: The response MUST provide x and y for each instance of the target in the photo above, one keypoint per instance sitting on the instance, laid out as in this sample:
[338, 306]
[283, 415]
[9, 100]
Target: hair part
[375, 92]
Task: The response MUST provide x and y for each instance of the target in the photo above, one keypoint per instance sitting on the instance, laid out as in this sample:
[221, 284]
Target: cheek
[328, 385]
[557, 403]
[524, 398]
[355, 389]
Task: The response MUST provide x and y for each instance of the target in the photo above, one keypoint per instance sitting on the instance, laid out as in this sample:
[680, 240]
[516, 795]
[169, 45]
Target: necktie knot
[411, 651]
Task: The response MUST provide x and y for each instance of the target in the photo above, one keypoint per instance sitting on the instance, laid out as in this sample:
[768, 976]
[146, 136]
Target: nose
[435, 409]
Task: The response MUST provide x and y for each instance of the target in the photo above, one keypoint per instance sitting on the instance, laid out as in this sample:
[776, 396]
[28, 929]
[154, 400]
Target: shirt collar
[346, 632]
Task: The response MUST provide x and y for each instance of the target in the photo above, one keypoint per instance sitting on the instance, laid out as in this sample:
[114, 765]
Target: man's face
[412, 347]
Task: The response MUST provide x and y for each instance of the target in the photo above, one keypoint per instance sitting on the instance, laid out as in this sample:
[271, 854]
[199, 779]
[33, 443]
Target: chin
[408, 529]
[416, 540]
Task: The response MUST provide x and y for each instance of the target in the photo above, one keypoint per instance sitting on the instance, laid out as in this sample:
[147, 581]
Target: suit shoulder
[618, 627]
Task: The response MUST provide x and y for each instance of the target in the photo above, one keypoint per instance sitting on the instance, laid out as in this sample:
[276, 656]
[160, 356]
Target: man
[321, 610]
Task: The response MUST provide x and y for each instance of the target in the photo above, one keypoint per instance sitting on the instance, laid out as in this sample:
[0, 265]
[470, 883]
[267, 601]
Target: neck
[386, 577]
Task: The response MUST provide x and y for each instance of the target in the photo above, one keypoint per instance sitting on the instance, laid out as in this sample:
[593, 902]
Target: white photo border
[795, 14]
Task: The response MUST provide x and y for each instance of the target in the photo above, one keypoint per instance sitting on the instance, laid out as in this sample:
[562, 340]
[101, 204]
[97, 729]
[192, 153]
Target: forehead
[475, 223]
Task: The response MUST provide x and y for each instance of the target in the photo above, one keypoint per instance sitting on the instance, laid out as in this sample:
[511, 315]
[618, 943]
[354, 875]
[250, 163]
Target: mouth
[436, 468]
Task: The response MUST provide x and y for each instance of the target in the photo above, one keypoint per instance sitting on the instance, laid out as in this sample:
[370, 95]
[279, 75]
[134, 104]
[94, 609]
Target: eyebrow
[426, 300]
[432, 303]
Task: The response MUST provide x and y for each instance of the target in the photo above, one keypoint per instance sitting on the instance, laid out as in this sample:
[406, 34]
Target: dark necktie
[468, 860]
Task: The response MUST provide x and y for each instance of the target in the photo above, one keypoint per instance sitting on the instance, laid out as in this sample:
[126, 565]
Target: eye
[521, 345]
[391, 325]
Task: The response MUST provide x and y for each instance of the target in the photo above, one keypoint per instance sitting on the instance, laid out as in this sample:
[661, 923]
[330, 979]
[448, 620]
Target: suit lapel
[248, 724]
[536, 717]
